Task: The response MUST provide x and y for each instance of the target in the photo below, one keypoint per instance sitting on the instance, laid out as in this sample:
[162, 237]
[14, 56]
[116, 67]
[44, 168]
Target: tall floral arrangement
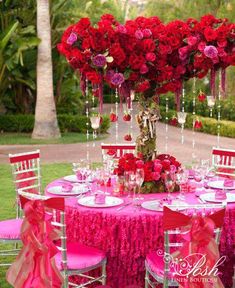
[148, 57]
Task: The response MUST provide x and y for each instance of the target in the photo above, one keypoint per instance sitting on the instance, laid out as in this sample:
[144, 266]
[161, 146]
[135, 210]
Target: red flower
[198, 125]
[127, 117]
[201, 97]
[210, 34]
[113, 117]
[173, 121]
[128, 137]
[143, 86]
[151, 57]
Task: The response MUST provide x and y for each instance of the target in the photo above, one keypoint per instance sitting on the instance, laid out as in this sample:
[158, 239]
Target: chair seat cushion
[10, 229]
[80, 256]
[156, 264]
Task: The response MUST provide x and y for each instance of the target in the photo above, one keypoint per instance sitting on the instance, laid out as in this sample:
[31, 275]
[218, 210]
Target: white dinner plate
[219, 184]
[74, 179]
[76, 190]
[110, 201]
[154, 205]
[210, 197]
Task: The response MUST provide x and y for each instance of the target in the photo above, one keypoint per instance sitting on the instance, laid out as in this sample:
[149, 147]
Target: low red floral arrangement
[154, 170]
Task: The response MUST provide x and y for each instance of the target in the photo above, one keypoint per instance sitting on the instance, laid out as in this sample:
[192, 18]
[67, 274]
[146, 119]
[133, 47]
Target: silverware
[123, 206]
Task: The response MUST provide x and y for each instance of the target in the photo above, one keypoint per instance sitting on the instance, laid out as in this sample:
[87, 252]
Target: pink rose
[183, 52]
[192, 40]
[201, 46]
[147, 33]
[172, 168]
[151, 57]
[211, 51]
[156, 176]
[139, 35]
[157, 167]
[144, 69]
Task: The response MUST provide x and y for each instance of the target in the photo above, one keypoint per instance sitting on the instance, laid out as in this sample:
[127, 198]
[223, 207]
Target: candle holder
[95, 124]
[210, 103]
[181, 116]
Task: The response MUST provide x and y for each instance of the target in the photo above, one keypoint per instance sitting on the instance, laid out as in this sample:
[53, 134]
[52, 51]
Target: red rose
[148, 45]
[210, 34]
[139, 164]
[198, 125]
[113, 117]
[173, 121]
[117, 53]
[143, 86]
[127, 117]
[166, 164]
[94, 77]
[201, 97]
[136, 61]
[128, 137]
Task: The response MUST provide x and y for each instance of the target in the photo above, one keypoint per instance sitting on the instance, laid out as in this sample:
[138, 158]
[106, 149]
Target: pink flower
[139, 164]
[156, 176]
[147, 33]
[144, 69]
[166, 164]
[99, 60]
[139, 35]
[157, 167]
[211, 51]
[72, 38]
[192, 40]
[201, 46]
[173, 168]
[151, 57]
[121, 29]
[117, 79]
[183, 52]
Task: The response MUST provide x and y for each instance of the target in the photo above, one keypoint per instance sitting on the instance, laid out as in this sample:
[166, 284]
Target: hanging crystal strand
[166, 125]
[94, 133]
[87, 119]
[183, 116]
[116, 112]
[194, 119]
[130, 112]
[219, 111]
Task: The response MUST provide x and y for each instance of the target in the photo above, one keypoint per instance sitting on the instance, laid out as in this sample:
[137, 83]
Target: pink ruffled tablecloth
[128, 235]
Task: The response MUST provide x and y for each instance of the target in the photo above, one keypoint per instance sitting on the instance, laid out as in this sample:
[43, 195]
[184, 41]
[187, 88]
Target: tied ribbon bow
[195, 263]
[35, 265]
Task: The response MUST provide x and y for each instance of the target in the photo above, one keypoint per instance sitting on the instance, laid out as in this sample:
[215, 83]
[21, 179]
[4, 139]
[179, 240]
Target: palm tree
[46, 125]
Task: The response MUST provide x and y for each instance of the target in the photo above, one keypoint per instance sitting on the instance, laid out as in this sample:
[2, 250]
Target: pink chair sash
[35, 265]
[198, 241]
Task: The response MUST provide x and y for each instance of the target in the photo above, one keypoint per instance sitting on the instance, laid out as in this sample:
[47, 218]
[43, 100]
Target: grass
[25, 139]
[7, 195]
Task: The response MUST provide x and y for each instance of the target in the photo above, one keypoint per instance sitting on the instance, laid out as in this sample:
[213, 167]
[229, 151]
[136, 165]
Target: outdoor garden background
[20, 63]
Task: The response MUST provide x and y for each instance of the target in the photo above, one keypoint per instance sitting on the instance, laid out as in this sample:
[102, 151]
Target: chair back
[177, 224]
[26, 171]
[117, 150]
[55, 208]
[224, 161]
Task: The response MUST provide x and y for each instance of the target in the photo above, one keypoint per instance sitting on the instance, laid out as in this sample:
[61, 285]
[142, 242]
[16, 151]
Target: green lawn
[7, 194]
[25, 138]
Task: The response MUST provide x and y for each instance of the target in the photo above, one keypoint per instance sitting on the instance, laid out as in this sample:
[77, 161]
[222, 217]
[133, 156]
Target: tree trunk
[146, 119]
[46, 125]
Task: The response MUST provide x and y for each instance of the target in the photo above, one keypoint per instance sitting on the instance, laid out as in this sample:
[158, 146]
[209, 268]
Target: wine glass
[139, 180]
[105, 175]
[181, 180]
[132, 183]
[169, 180]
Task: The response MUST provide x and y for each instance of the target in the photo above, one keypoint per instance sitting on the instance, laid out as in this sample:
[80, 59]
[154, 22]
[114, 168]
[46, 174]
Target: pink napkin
[228, 183]
[191, 173]
[220, 195]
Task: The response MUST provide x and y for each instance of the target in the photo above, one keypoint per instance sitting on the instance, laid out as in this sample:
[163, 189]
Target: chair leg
[104, 275]
[146, 279]
[66, 280]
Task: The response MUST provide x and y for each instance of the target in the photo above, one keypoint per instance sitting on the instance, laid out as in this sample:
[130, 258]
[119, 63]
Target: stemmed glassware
[169, 180]
[139, 180]
[82, 169]
[181, 180]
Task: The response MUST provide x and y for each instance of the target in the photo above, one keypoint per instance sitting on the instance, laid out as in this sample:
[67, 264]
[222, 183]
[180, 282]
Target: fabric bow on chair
[199, 249]
[35, 265]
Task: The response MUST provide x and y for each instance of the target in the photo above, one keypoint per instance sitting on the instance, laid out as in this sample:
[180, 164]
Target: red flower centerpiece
[154, 170]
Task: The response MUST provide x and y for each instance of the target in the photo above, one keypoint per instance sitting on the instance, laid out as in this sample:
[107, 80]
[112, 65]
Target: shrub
[67, 123]
[227, 128]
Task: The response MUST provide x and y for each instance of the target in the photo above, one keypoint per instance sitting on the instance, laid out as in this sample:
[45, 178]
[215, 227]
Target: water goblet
[139, 180]
[132, 183]
[181, 180]
[169, 180]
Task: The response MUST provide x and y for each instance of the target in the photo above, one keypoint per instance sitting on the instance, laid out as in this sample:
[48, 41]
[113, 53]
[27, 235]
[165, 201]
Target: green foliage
[67, 123]
[227, 128]
[227, 107]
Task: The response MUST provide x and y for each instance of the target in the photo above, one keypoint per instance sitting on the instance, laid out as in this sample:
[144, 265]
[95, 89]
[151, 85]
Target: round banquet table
[128, 235]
